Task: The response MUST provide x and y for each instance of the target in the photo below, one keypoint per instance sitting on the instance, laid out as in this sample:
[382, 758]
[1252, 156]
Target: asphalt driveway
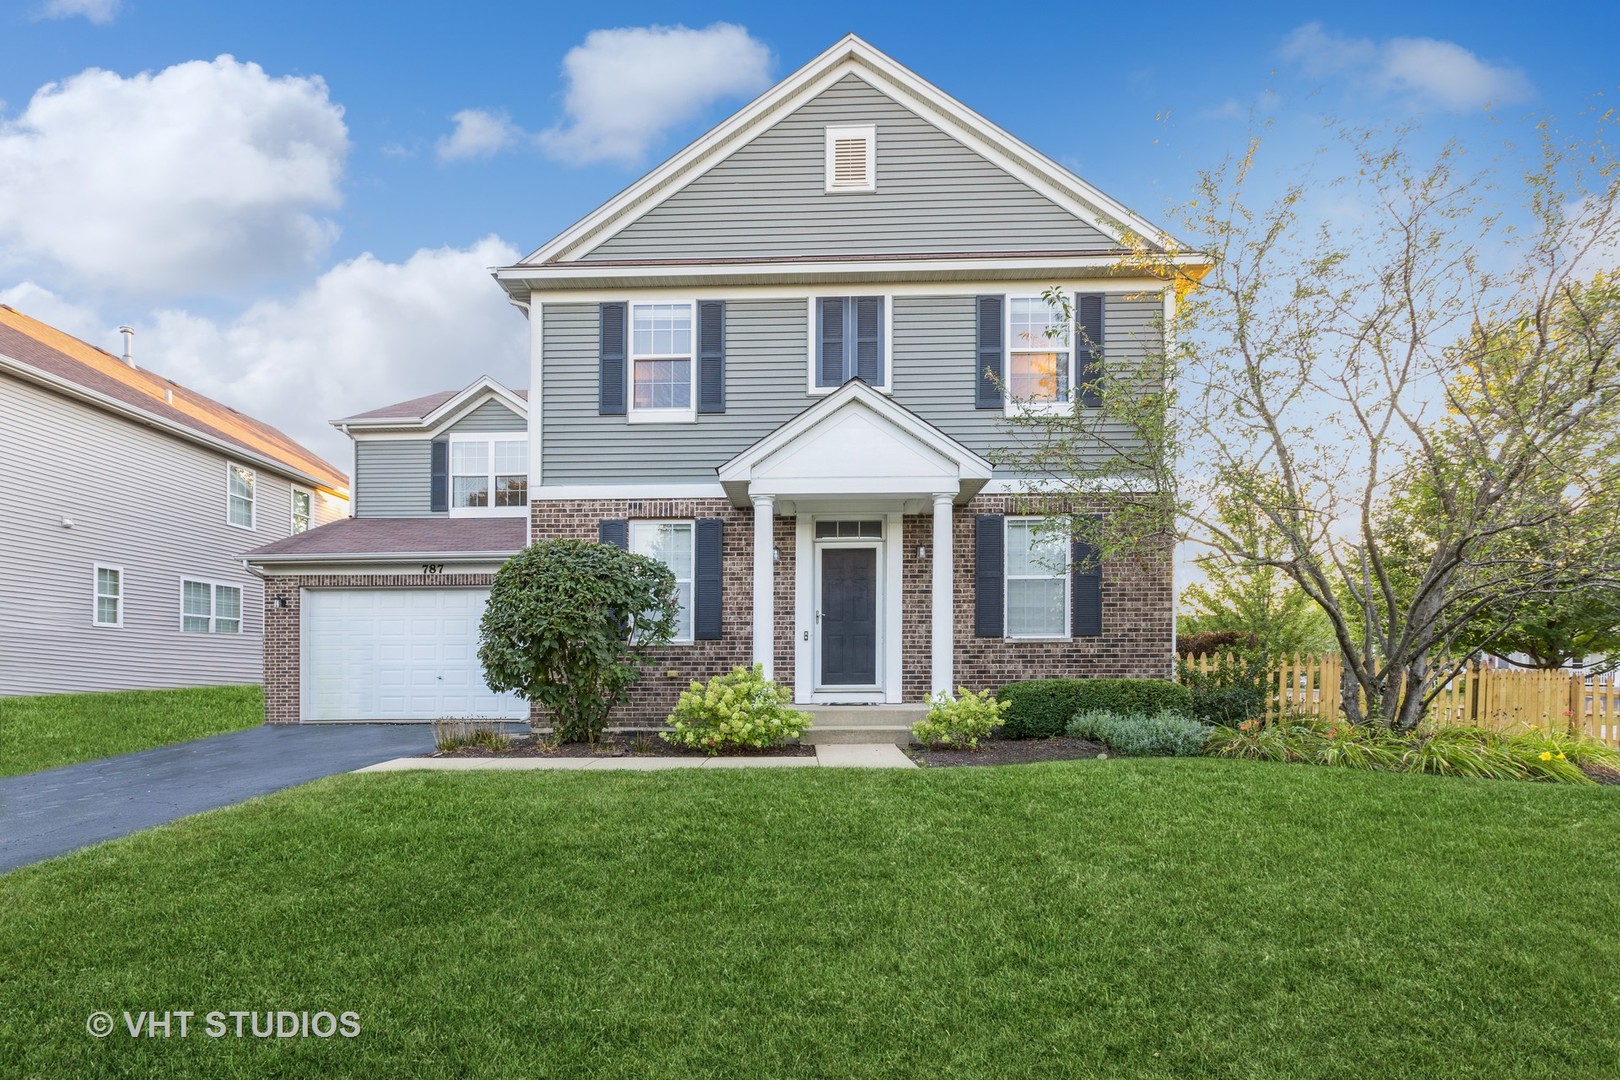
[56, 811]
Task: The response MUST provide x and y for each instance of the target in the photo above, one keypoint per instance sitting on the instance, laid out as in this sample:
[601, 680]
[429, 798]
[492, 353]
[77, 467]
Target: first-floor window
[207, 608]
[303, 511]
[1037, 580]
[109, 609]
[661, 360]
[1038, 351]
[489, 473]
[670, 542]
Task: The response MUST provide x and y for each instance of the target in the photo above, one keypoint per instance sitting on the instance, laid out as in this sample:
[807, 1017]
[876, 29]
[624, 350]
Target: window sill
[1044, 639]
[487, 511]
[1020, 410]
[661, 416]
[244, 528]
[823, 391]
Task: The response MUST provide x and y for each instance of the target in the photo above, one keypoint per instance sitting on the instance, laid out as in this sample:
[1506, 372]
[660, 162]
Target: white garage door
[397, 654]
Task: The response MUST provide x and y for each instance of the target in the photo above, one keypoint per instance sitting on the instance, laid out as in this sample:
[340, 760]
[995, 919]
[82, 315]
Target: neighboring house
[777, 363]
[126, 502]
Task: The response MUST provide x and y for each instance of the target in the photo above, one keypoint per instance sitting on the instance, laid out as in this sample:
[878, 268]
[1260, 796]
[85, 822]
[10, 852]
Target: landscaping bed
[614, 744]
[997, 751]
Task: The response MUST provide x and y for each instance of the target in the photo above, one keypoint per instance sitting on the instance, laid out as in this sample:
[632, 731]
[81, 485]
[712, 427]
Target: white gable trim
[465, 401]
[849, 56]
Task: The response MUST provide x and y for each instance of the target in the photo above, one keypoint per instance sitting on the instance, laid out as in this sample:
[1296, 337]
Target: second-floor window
[303, 511]
[1038, 352]
[239, 496]
[489, 475]
[661, 362]
[850, 341]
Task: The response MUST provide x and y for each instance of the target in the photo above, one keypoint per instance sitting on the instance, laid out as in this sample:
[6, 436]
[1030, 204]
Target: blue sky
[306, 238]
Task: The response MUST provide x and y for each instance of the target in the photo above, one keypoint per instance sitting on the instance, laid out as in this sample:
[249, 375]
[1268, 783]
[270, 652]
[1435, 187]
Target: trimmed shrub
[1160, 734]
[1042, 708]
[1236, 689]
[739, 708]
[960, 722]
[451, 733]
[1214, 641]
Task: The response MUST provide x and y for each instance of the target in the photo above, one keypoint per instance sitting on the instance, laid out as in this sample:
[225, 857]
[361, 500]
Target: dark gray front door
[849, 617]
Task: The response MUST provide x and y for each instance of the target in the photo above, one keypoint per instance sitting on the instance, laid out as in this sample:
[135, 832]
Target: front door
[849, 616]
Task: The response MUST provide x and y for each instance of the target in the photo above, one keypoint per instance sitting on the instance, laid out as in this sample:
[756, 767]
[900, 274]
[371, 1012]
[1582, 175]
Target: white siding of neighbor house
[394, 477]
[140, 499]
[933, 195]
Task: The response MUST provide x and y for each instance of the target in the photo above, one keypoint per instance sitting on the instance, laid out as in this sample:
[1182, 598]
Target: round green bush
[1042, 708]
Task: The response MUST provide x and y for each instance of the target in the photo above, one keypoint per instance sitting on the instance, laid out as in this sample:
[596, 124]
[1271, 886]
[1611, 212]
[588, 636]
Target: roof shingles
[401, 536]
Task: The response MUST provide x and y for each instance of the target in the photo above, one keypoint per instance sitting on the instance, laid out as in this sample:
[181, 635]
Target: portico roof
[855, 443]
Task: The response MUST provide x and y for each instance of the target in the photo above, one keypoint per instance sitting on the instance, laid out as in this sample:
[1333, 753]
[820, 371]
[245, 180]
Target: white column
[942, 658]
[764, 581]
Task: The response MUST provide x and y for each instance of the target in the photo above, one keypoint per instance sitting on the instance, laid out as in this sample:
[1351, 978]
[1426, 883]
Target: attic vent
[851, 158]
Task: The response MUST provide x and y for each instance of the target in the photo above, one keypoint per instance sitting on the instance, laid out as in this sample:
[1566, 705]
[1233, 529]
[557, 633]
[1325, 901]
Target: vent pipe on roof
[129, 344]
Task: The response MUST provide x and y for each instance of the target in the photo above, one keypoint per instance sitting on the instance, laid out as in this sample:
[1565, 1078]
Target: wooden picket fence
[1495, 698]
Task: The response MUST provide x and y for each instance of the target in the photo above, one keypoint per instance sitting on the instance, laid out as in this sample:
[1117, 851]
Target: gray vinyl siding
[490, 416]
[933, 195]
[139, 499]
[393, 478]
[765, 386]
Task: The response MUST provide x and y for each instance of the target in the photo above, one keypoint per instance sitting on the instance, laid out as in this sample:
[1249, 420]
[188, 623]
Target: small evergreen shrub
[1160, 734]
[961, 722]
[1042, 708]
[739, 708]
[1236, 689]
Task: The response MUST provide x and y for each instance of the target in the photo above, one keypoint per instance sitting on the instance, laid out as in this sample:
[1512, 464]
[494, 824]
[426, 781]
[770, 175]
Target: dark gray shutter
[711, 373]
[1085, 585]
[868, 366]
[1088, 348]
[989, 574]
[610, 369]
[439, 489]
[830, 341]
[987, 353]
[615, 531]
[706, 584]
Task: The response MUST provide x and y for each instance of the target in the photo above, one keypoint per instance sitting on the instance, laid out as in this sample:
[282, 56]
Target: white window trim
[489, 438]
[292, 509]
[1006, 593]
[96, 595]
[253, 499]
[632, 414]
[811, 343]
[691, 578]
[213, 607]
[1020, 407]
[868, 132]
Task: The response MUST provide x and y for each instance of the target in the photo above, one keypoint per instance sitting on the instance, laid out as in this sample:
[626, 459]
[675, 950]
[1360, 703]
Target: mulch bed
[612, 745]
[1601, 774]
[1008, 752]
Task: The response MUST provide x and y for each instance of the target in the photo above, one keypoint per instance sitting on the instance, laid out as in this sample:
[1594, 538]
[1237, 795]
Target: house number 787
[433, 568]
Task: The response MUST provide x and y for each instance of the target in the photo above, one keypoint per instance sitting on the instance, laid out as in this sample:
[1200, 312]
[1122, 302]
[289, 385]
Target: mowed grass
[1162, 918]
[62, 729]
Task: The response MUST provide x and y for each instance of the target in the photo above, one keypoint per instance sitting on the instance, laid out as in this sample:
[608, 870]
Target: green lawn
[1174, 918]
[61, 729]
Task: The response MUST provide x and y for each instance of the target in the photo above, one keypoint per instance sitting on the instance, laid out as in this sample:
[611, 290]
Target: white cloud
[1441, 73]
[203, 175]
[479, 133]
[1264, 104]
[99, 12]
[628, 86]
[80, 320]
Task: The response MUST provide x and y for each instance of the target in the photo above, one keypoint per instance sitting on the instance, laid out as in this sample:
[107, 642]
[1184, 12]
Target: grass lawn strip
[64, 729]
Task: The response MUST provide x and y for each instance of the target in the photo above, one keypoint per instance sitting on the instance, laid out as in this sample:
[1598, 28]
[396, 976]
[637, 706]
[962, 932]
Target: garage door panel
[398, 654]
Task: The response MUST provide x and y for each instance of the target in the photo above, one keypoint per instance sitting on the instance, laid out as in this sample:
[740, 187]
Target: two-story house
[781, 363]
[126, 502]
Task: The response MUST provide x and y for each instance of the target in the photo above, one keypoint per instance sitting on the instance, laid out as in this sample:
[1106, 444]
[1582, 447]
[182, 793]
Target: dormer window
[852, 157]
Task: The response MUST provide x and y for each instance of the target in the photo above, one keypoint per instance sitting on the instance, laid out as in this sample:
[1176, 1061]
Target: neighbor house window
[210, 608]
[1037, 580]
[109, 598]
[851, 157]
[239, 496]
[303, 511]
[1038, 351]
[670, 542]
[661, 362]
[489, 474]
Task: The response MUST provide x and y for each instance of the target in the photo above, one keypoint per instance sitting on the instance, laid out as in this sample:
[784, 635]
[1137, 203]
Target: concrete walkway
[844, 755]
[59, 810]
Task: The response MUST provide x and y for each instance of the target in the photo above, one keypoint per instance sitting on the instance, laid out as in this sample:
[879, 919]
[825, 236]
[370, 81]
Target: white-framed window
[671, 543]
[108, 606]
[661, 362]
[239, 482]
[303, 510]
[1037, 579]
[208, 607]
[489, 475]
[1040, 354]
[851, 157]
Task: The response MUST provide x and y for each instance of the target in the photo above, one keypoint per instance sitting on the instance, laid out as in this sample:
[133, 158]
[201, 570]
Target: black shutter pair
[707, 555]
[613, 358]
[990, 582]
[849, 340]
[990, 350]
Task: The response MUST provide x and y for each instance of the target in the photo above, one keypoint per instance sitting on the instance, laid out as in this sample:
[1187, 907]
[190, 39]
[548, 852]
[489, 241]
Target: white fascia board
[444, 416]
[327, 561]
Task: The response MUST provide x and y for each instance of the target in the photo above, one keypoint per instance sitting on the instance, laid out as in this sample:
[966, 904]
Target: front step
[875, 724]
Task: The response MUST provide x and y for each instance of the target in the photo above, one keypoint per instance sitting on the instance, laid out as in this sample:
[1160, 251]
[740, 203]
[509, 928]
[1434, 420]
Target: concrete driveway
[59, 810]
